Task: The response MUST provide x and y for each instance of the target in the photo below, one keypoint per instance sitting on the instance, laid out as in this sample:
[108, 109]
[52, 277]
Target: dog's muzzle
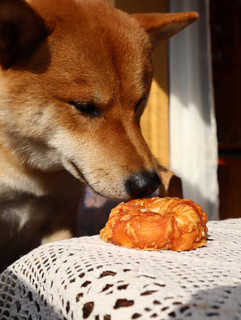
[142, 184]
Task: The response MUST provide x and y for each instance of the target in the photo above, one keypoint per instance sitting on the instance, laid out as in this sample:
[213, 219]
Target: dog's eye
[140, 102]
[86, 107]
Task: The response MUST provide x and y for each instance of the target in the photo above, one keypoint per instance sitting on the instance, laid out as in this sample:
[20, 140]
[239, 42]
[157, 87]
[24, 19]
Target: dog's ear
[161, 26]
[21, 31]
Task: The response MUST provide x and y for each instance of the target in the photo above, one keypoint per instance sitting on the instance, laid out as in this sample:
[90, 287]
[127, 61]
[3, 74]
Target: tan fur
[83, 51]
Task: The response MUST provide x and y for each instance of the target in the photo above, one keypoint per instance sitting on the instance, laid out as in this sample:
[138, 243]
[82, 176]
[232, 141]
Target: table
[86, 278]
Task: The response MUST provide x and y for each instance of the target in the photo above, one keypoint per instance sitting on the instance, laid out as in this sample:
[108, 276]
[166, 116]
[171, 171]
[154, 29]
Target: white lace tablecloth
[86, 278]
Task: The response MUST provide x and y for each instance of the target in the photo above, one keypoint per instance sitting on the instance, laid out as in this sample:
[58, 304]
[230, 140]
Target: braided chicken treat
[157, 223]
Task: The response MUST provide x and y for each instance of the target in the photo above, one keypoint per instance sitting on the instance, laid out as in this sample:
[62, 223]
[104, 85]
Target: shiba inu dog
[74, 80]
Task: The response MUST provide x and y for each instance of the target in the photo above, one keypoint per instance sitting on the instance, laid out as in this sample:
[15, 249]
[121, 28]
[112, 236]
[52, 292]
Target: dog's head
[75, 80]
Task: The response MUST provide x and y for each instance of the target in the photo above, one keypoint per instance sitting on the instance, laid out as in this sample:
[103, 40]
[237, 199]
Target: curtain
[193, 139]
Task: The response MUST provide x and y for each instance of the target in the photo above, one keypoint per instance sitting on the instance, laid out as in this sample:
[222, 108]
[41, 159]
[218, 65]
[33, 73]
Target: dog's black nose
[142, 184]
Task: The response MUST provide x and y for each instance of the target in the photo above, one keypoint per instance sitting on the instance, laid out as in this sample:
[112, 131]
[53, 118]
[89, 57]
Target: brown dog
[74, 80]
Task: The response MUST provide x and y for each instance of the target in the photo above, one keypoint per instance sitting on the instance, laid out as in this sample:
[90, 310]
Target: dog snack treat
[157, 223]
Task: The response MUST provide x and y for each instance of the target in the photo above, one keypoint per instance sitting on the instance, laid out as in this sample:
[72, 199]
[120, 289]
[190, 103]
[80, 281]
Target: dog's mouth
[78, 172]
[74, 169]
